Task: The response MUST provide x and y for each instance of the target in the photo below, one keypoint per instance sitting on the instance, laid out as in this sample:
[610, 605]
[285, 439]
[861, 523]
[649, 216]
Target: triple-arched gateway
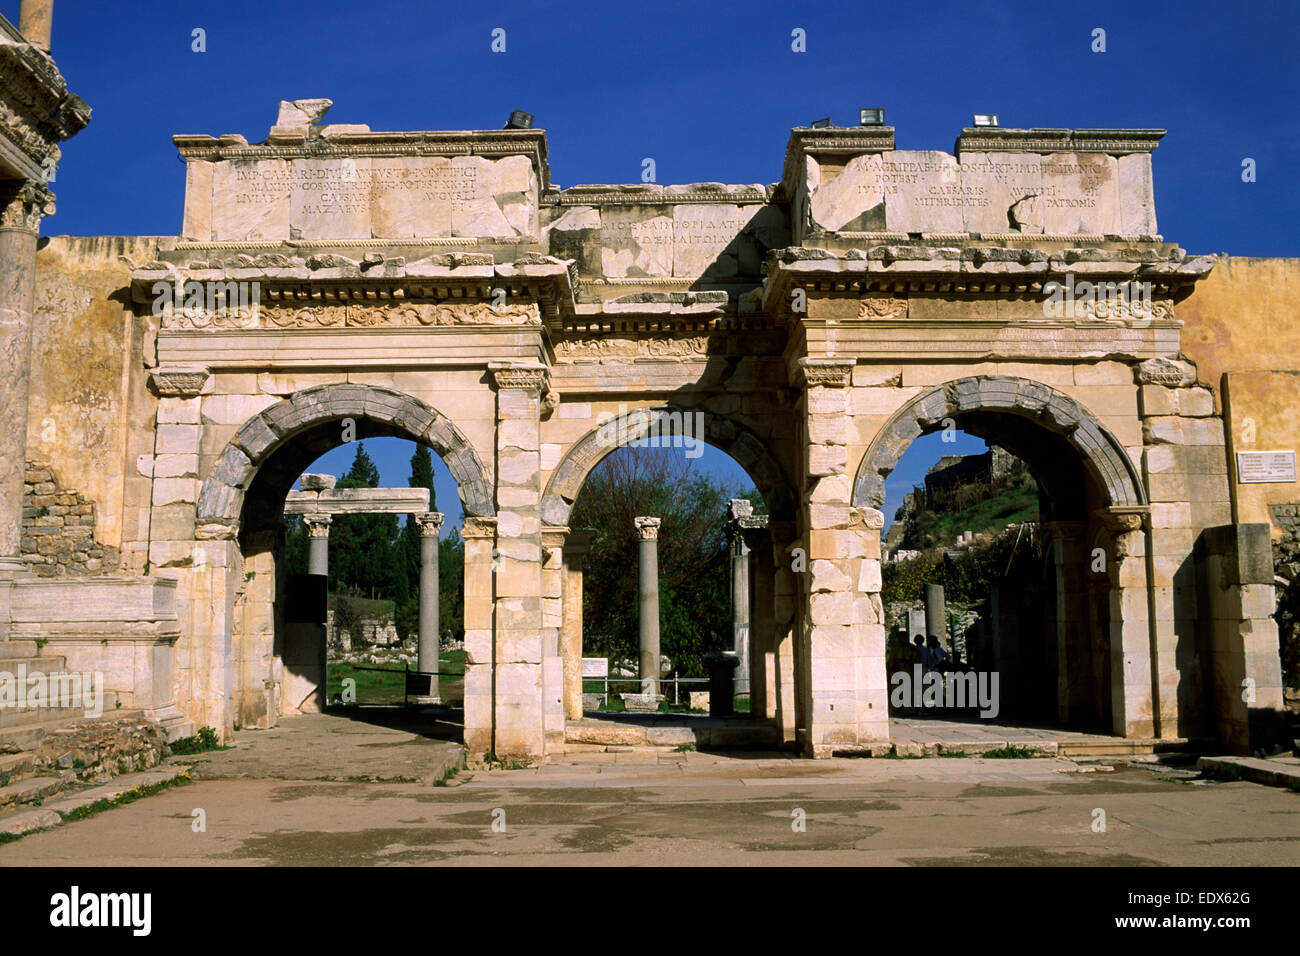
[333, 283]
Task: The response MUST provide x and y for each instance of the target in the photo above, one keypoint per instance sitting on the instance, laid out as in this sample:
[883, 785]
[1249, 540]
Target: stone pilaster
[1076, 687]
[783, 700]
[552, 620]
[1133, 677]
[519, 693]
[575, 549]
[479, 535]
[843, 631]
[648, 602]
[430, 525]
[318, 543]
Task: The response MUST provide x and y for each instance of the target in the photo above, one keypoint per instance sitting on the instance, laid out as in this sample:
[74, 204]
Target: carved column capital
[429, 523]
[531, 376]
[479, 528]
[318, 526]
[179, 381]
[830, 373]
[647, 528]
[25, 206]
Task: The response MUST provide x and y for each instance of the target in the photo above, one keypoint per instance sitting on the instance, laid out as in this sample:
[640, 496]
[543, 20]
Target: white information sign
[1258, 467]
[595, 667]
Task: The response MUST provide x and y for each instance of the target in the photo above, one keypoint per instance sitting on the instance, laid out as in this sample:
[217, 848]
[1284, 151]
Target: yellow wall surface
[82, 358]
[1242, 329]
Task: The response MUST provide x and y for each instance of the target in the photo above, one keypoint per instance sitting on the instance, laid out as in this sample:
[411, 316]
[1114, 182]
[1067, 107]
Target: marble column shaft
[648, 603]
[430, 525]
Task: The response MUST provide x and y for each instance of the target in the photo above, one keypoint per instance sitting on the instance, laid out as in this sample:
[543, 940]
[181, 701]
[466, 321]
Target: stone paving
[266, 803]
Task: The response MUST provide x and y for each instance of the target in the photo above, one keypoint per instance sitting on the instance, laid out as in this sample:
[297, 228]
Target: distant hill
[976, 493]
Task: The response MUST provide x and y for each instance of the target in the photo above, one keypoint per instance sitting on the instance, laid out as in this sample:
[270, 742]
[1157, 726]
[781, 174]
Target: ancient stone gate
[331, 281]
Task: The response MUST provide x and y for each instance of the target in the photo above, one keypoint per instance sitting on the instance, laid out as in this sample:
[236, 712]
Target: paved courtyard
[265, 804]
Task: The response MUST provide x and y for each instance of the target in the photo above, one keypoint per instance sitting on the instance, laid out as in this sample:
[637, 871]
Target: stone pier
[575, 549]
[648, 603]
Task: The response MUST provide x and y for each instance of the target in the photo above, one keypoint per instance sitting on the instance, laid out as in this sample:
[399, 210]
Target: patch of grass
[446, 775]
[1010, 752]
[202, 742]
[40, 642]
[684, 749]
[953, 753]
[130, 796]
[895, 755]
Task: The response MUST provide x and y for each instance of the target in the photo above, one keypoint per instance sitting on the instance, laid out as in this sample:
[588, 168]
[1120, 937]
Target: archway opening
[712, 514]
[366, 604]
[996, 578]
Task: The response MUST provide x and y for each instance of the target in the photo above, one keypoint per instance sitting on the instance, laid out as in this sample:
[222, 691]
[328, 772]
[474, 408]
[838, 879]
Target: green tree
[364, 557]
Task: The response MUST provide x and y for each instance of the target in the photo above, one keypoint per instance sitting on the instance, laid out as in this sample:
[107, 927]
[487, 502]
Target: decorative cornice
[36, 110]
[1117, 142]
[493, 144]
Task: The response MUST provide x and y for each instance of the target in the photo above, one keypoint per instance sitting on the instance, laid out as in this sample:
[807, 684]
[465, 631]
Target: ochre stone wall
[1242, 330]
[87, 349]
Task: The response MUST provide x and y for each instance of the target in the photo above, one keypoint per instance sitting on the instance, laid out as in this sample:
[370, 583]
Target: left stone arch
[222, 495]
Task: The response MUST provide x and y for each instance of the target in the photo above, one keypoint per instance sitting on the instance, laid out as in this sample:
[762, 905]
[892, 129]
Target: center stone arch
[1037, 405]
[221, 499]
[720, 432]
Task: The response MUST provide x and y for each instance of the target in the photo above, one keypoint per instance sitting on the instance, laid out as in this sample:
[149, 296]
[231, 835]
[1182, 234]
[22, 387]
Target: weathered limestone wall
[87, 371]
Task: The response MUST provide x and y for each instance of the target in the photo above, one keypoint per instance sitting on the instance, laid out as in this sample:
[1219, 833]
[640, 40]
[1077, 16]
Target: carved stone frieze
[882, 307]
[666, 346]
[353, 315]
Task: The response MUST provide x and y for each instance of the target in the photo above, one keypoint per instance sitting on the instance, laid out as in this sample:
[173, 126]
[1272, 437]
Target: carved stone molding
[532, 377]
[641, 347]
[647, 528]
[882, 307]
[831, 373]
[1164, 371]
[179, 381]
[352, 315]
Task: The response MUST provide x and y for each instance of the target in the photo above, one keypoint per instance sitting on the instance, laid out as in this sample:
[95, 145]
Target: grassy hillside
[975, 506]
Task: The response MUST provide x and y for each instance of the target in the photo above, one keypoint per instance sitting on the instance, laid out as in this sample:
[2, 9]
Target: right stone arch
[1094, 499]
[1108, 465]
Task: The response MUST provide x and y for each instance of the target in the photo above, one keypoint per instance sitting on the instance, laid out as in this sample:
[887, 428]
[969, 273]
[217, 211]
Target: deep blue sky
[708, 90]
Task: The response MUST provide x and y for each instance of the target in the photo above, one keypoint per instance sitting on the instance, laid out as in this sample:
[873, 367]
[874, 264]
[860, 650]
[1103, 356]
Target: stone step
[16, 767]
[44, 665]
[10, 649]
[34, 790]
[27, 715]
[28, 736]
[699, 732]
